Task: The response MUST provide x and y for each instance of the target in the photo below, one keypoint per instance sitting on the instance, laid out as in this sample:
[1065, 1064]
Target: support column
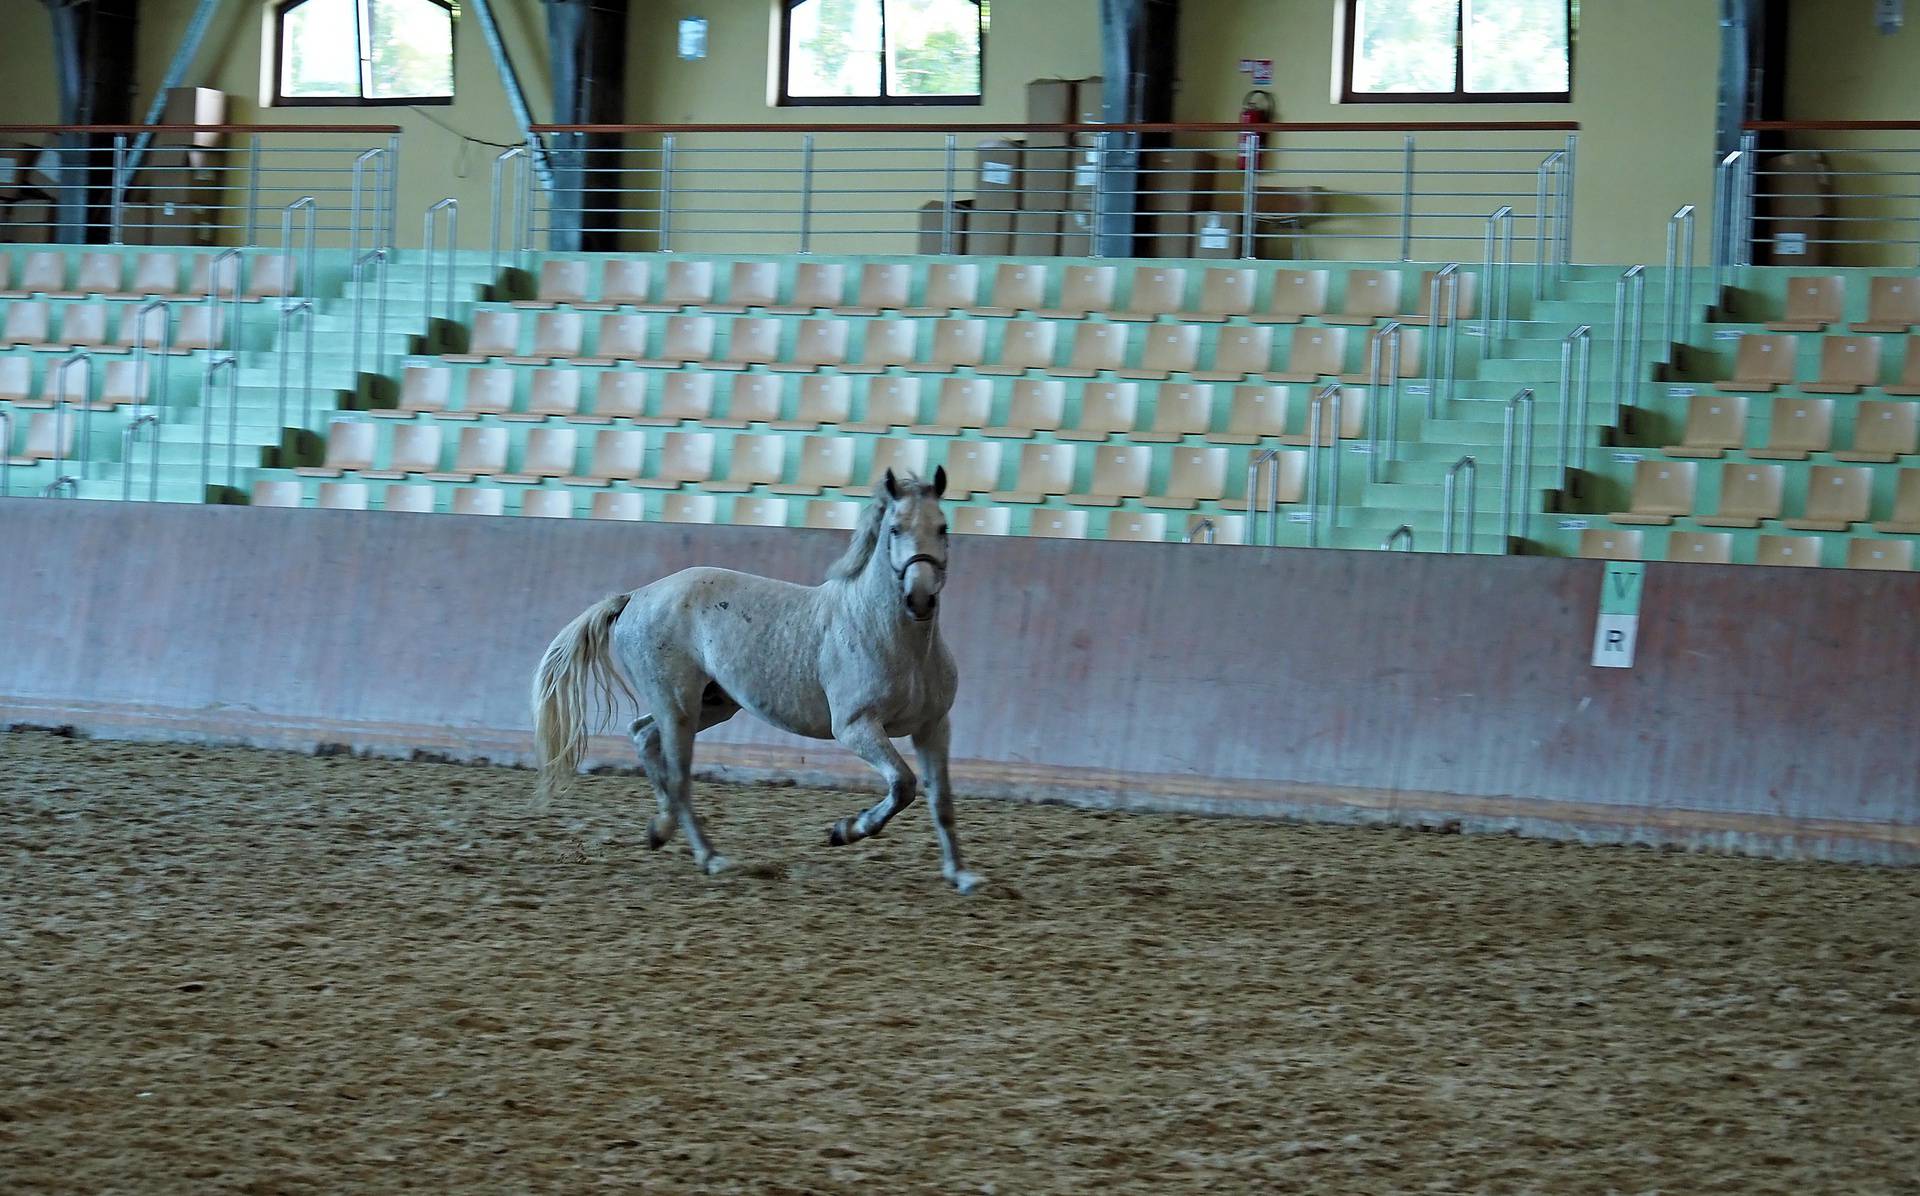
[1139, 41]
[586, 42]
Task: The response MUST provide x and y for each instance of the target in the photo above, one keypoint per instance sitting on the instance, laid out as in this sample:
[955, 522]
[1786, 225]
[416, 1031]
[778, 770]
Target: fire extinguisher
[1256, 108]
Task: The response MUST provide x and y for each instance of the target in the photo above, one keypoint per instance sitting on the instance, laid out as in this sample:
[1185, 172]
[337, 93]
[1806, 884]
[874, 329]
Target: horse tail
[578, 665]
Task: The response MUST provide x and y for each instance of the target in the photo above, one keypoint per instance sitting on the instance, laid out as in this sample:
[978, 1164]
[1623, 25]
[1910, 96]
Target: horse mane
[866, 534]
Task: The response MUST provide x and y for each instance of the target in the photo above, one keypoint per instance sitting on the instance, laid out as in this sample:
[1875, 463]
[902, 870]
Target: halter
[921, 558]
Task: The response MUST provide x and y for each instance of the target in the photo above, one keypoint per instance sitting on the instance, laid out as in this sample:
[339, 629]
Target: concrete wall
[1770, 709]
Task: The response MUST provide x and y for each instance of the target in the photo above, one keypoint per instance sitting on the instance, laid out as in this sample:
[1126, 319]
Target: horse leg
[715, 708]
[676, 732]
[867, 739]
[931, 746]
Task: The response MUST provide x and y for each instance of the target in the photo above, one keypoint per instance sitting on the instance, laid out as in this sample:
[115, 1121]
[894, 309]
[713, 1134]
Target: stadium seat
[684, 457]
[1096, 347]
[1225, 529]
[343, 496]
[980, 521]
[1106, 409]
[754, 459]
[688, 338]
[1054, 523]
[126, 383]
[273, 276]
[689, 284]
[1170, 349]
[825, 399]
[1749, 495]
[1240, 352]
[621, 336]
[1377, 340]
[65, 381]
[817, 286]
[488, 391]
[557, 335]
[886, 344]
[758, 512]
[964, 405]
[29, 324]
[751, 340]
[482, 452]
[43, 273]
[154, 275]
[1372, 295]
[1798, 428]
[826, 513]
[479, 500]
[1120, 472]
[1296, 295]
[1883, 432]
[750, 285]
[1256, 412]
[620, 453]
[1196, 475]
[1046, 471]
[1180, 409]
[1906, 506]
[200, 280]
[547, 504]
[16, 381]
[752, 399]
[1157, 291]
[1025, 345]
[1715, 425]
[889, 403]
[83, 326]
[199, 328]
[1801, 551]
[817, 343]
[1225, 292]
[1609, 544]
[275, 494]
[1848, 365]
[624, 282]
[423, 389]
[350, 448]
[101, 274]
[1353, 420]
[1893, 305]
[1662, 492]
[624, 506]
[1035, 405]
[1017, 287]
[1085, 290]
[1812, 304]
[561, 282]
[1706, 548]
[950, 287]
[618, 395]
[148, 329]
[903, 457]
[1838, 496]
[883, 287]
[1895, 555]
[547, 453]
[494, 334]
[826, 463]
[1450, 303]
[1148, 526]
[973, 467]
[1909, 384]
[1314, 353]
[684, 396]
[414, 449]
[554, 392]
[416, 499]
[1760, 364]
[957, 344]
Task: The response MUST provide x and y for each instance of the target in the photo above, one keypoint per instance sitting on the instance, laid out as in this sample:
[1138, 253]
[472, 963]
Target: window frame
[1350, 23]
[785, 99]
[281, 100]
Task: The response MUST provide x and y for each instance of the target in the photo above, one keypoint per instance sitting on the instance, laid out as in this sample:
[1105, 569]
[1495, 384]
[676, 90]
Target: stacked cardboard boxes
[26, 216]
[179, 190]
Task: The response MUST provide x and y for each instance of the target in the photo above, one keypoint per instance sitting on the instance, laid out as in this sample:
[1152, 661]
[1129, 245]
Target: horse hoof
[716, 864]
[967, 882]
[837, 834]
[656, 839]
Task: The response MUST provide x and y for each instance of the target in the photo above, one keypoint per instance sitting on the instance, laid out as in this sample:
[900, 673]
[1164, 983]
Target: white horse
[857, 658]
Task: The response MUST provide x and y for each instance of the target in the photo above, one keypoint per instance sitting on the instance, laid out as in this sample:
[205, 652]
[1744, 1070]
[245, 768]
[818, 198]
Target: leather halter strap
[921, 558]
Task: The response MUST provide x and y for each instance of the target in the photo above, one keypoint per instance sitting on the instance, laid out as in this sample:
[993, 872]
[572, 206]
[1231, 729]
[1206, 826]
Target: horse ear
[893, 489]
[939, 481]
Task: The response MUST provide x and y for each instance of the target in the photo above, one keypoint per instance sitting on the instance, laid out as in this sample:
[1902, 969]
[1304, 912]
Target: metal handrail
[1629, 338]
[1205, 524]
[429, 225]
[379, 157]
[287, 312]
[1445, 280]
[1383, 375]
[128, 439]
[62, 401]
[142, 349]
[1472, 470]
[1679, 300]
[1328, 399]
[666, 198]
[1270, 458]
[1509, 500]
[1543, 191]
[1575, 373]
[519, 156]
[359, 304]
[6, 453]
[64, 484]
[1399, 539]
[312, 209]
[1496, 284]
[231, 364]
[1726, 215]
[214, 331]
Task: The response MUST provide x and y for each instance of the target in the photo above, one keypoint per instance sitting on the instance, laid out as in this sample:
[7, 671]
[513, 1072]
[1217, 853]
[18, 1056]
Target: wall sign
[693, 37]
[1618, 627]
[1890, 15]
[1260, 68]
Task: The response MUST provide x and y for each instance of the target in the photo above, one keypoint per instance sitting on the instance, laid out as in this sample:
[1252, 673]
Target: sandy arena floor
[235, 971]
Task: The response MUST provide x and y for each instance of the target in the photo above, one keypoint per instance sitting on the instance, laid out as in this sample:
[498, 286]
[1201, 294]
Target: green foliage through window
[1459, 49]
[365, 51]
[882, 51]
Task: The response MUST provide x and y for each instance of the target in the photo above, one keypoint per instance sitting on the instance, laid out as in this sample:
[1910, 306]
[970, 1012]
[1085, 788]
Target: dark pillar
[1140, 45]
[587, 46]
[94, 44]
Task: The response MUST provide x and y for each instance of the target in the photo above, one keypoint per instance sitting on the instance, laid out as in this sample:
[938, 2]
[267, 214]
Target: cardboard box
[997, 184]
[1797, 197]
[1076, 234]
[13, 170]
[933, 226]
[193, 106]
[1165, 234]
[171, 175]
[26, 222]
[1179, 180]
[1086, 178]
[1216, 234]
[1036, 234]
[1089, 100]
[159, 223]
[990, 233]
[1047, 175]
[1050, 102]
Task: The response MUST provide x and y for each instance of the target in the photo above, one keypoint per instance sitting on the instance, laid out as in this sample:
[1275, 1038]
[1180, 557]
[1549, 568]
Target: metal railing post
[1629, 309]
[117, 195]
[62, 399]
[6, 453]
[1490, 263]
[1383, 378]
[498, 199]
[1521, 402]
[1542, 216]
[1097, 241]
[950, 164]
[806, 193]
[128, 439]
[1446, 280]
[1400, 539]
[1750, 169]
[1568, 164]
[232, 367]
[143, 348]
[1203, 527]
[357, 205]
[253, 187]
[1249, 192]
[1678, 304]
[429, 225]
[1581, 336]
[1270, 458]
[666, 193]
[1406, 199]
[1471, 468]
[390, 180]
[1328, 400]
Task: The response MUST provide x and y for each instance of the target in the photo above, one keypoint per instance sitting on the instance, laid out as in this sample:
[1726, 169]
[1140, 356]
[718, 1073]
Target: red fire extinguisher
[1255, 109]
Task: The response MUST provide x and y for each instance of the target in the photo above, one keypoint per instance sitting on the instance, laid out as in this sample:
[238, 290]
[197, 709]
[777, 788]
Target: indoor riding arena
[1323, 597]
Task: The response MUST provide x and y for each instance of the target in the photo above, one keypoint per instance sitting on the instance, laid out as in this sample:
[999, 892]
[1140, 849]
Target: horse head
[913, 533]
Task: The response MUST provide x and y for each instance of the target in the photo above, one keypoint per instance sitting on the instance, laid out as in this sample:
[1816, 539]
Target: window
[1459, 51]
[363, 52]
[882, 51]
